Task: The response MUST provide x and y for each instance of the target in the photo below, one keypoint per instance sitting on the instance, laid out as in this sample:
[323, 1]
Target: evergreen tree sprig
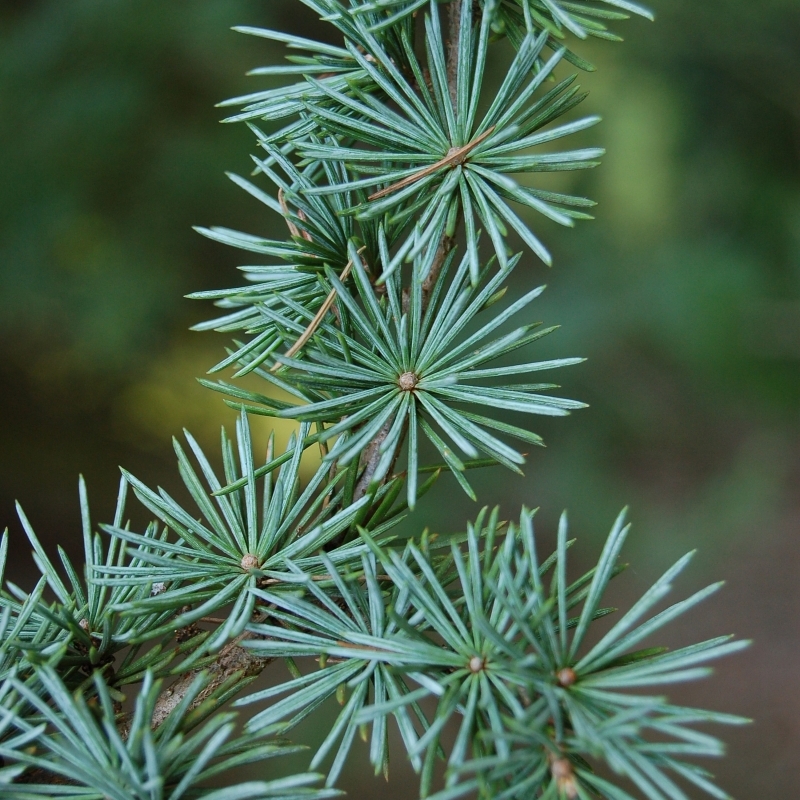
[379, 325]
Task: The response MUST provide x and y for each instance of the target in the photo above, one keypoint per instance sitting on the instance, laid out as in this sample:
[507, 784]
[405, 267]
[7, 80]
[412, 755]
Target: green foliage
[80, 625]
[499, 651]
[439, 160]
[87, 749]
[378, 332]
[408, 368]
[217, 562]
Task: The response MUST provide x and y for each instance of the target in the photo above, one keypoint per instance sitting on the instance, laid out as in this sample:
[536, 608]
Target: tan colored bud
[249, 561]
[476, 664]
[408, 381]
[567, 677]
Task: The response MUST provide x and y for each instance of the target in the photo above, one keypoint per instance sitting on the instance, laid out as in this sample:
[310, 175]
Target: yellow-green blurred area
[684, 294]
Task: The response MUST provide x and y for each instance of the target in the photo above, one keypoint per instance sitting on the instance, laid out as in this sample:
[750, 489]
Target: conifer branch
[470, 632]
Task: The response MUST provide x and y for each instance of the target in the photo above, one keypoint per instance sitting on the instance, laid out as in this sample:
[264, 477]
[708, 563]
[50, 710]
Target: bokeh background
[684, 294]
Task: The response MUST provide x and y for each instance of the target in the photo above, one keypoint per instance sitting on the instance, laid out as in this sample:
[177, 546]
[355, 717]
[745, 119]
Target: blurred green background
[684, 294]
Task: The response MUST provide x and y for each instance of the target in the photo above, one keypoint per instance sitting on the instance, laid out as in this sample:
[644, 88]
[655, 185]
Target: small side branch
[318, 317]
[454, 157]
[453, 41]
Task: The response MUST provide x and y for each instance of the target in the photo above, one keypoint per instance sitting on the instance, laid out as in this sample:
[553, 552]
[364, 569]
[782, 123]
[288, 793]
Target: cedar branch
[234, 659]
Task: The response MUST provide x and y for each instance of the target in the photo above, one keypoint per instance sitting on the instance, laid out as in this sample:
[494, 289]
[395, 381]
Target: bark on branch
[232, 660]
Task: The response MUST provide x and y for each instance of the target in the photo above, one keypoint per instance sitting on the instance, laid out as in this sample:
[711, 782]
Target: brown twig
[445, 246]
[453, 42]
[454, 157]
[370, 459]
[448, 242]
[318, 317]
